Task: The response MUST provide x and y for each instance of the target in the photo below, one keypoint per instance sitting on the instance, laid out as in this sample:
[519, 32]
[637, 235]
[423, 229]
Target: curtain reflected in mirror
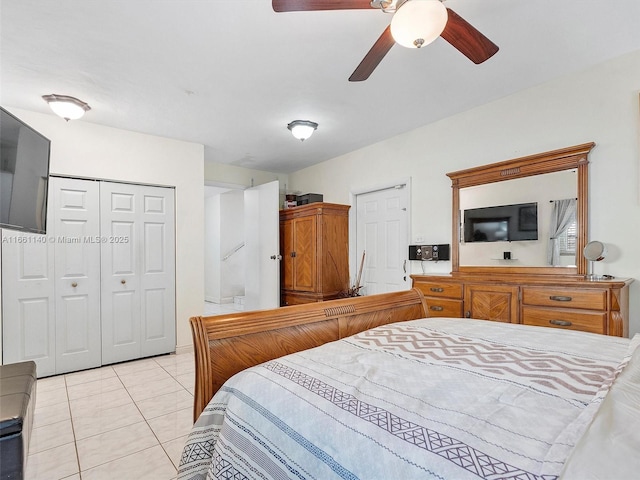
[562, 229]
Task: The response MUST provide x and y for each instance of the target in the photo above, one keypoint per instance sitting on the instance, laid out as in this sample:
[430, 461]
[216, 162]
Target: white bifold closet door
[99, 288]
[138, 271]
[51, 284]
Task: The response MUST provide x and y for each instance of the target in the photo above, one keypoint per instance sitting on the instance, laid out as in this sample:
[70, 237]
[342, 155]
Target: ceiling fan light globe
[418, 22]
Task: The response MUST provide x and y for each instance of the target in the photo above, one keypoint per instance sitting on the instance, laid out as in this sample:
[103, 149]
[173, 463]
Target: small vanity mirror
[526, 215]
[594, 252]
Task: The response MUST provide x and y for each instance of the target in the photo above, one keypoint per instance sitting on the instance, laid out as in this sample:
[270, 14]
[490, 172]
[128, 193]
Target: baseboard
[184, 349]
[209, 298]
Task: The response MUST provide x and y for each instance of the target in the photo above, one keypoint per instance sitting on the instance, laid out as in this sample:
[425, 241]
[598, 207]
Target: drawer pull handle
[558, 298]
[560, 323]
[437, 289]
[436, 308]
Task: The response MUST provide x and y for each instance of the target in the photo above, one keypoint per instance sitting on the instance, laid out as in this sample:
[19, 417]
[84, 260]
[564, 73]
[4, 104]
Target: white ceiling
[230, 74]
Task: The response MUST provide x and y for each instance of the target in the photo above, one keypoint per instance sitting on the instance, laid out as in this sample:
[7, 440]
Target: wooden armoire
[314, 244]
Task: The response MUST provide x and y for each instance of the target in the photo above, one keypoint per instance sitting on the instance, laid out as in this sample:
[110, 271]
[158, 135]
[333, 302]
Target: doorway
[381, 232]
[241, 237]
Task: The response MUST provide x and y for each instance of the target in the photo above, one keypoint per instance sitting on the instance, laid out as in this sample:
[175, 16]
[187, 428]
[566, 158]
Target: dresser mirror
[503, 214]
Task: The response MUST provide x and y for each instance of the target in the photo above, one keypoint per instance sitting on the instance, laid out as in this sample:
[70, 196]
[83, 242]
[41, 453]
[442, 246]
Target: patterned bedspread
[432, 398]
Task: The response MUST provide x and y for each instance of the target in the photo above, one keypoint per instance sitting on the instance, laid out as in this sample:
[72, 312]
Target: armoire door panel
[286, 249]
[304, 246]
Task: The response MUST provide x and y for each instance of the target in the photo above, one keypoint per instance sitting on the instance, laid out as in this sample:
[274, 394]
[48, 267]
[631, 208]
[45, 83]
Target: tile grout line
[167, 368]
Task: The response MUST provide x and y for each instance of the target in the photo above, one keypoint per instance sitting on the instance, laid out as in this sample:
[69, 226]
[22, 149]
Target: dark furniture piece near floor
[17, 402]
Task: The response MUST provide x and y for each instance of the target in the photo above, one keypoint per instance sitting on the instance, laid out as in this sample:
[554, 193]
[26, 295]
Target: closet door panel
[28, 300]
[120, 259]
[76, 228]
[124, 327]
[158, 271]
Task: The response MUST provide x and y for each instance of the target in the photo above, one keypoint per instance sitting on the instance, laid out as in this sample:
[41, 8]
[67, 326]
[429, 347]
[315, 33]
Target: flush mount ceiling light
[302, 129]
[69, 108]
[418, 22]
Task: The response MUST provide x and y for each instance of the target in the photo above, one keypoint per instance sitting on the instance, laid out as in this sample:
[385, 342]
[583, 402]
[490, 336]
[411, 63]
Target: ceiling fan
[415, 23]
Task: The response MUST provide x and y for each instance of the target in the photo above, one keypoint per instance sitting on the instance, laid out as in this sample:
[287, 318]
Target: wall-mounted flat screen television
[506, 223]
[24, 175]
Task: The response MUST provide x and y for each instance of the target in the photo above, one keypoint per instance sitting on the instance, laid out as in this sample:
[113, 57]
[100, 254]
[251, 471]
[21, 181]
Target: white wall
[224, 231]
[212, 248]
[599, 104]
[83, 149]
[232, 270]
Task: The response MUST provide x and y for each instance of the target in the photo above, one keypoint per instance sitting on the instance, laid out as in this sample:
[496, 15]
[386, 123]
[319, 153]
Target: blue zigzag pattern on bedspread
[465, 456]
[301, 440]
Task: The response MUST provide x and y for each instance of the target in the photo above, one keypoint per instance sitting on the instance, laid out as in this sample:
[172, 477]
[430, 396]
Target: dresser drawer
[565, 298]
[440, 289]
[594, 322]
[443, 307]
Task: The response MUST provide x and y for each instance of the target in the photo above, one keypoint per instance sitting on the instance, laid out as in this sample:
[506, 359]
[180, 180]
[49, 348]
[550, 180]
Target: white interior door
[28, 299]
[262, 244]
[382, 232]
[76, 228]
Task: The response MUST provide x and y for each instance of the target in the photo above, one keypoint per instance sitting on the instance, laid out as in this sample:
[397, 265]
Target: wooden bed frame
[226, 344]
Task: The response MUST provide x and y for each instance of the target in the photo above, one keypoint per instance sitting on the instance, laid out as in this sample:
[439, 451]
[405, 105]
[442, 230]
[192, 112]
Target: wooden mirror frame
[557, 160]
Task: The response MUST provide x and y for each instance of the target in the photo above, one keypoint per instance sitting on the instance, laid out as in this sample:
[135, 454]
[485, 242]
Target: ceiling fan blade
[310, 5]
[374, 57]
[469, 41]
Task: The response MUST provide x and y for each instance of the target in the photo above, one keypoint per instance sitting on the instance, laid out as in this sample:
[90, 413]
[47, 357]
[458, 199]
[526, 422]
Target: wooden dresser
[314, 244]
[544, 300]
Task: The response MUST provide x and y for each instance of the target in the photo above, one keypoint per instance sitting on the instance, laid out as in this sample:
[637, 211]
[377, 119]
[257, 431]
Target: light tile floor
[128, 420]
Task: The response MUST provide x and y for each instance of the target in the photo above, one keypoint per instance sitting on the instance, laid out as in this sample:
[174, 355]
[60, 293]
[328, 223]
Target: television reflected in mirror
[501, 223]
[24, 175]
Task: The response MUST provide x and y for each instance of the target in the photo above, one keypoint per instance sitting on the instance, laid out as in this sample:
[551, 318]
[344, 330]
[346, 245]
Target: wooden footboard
[226, 344]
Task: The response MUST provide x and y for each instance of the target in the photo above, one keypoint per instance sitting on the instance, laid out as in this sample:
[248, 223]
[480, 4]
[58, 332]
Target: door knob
[74, 284]
[123, 281]
[276, 257]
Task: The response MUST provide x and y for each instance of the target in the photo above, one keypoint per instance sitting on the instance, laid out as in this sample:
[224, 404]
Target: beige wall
[599, 105]
[82, 149]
